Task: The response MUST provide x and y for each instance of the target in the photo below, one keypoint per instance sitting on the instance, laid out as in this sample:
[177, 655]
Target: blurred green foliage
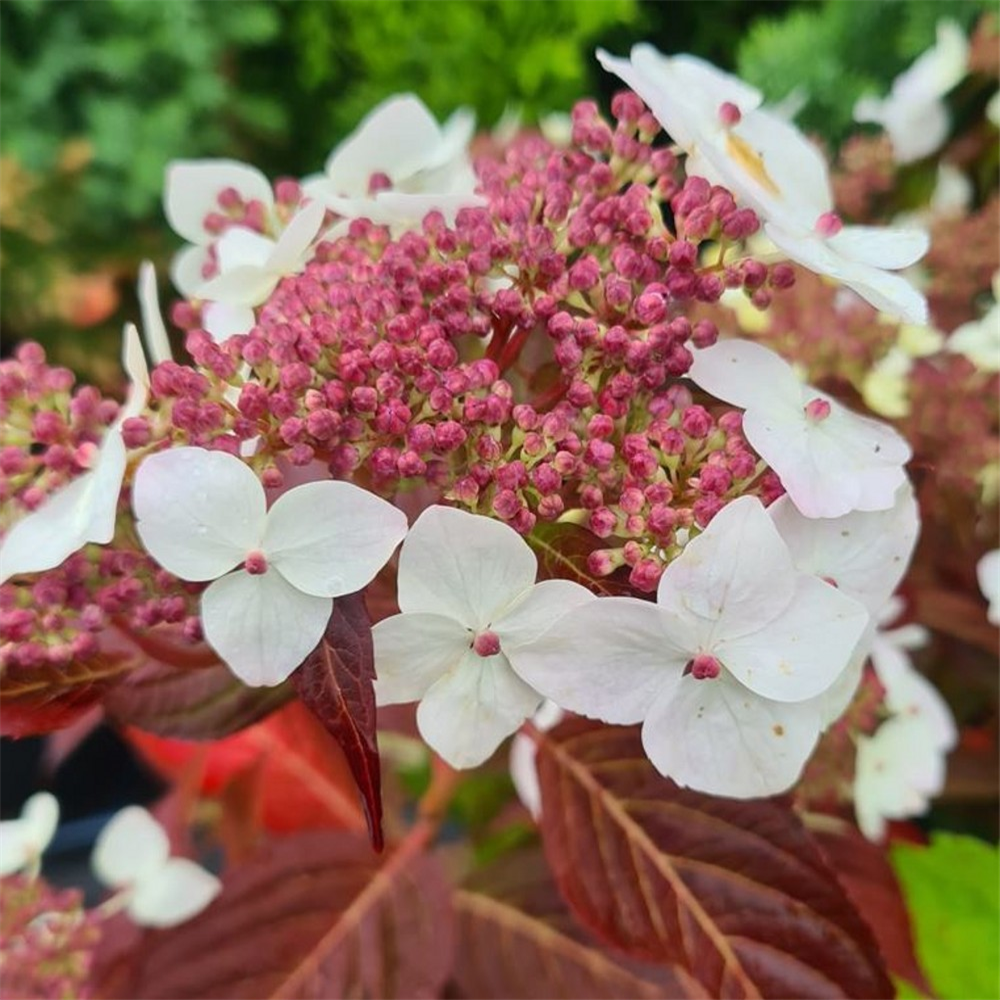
[838, 50]
[141, 82]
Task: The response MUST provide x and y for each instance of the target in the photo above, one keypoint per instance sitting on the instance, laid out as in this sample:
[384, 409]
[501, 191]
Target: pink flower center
[729, 114]
[487, 643]
[255, 563]
[705, 667]
[829, 224]
[817, 409]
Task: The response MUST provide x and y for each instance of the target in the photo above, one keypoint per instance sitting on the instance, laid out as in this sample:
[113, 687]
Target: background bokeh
[98, 97]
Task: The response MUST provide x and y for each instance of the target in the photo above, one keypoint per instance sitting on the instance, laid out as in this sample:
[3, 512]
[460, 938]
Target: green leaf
[952, 892]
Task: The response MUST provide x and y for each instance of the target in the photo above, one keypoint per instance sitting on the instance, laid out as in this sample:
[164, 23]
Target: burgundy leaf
[336, 682]
[313, 915]
[516, 938]
[735, 892]
[868, 878]
[181, 691]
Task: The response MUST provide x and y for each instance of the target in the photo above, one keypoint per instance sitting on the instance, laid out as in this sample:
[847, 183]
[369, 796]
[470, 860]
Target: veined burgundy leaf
[516, 938]
[313, 915]
[183, 691]
[562, 551]
[336, 682]
[735, 892]
[868, 878]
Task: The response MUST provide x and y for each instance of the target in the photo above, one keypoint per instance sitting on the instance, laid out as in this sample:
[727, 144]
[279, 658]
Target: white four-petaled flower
[830, 460]
[203, 516]
[768, 164]
[723, 671]
[132, 854]
[470, 610]
[914, 114]
[23, 840]
[427, 165]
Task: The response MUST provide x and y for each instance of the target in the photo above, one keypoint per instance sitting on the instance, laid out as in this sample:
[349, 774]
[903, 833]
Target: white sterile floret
[203, 516]
[191, 195]
[132, 854]
[914, 114]
[865, 556]
[427, 165]
[979, 339]
[470, 610]
[523, 770]
[723, 671]
[23, 840]
[902, 766]
[768, 164]
[85, 509]
[830, 460]
[988, 574]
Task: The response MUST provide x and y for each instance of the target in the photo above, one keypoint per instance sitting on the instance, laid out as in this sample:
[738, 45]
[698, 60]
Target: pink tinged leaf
[736, 893]
[313, 915]
[336, 682]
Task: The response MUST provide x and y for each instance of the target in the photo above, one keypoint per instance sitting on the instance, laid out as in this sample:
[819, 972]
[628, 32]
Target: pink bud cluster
[47, 939]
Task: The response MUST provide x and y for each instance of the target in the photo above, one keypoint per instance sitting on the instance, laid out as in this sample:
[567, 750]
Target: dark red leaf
[735, 892]
[313, 915]
[516, 938]
[868, 878]
[175, 689]
[336, 682]
[562, 551]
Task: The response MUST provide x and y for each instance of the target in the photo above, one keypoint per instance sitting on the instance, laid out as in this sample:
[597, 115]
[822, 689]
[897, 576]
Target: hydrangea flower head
[203, 516]
[132, 853]
[470, 610]
[723, 671]
[830, 460]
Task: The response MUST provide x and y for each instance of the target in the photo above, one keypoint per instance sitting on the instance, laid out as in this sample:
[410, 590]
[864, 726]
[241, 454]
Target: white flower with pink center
[470, 610]
[425, 166]
[23, 840]
[769, 165]
[132, 855]
[723, 671]
[203, 516]
[830, 460]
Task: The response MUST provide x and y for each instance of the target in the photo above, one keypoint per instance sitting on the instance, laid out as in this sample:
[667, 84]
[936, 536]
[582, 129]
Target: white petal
[240, 246]
[131, 847]
[541, 607]
[176, 892]
[802, 652]
[193, 187]
[745, 374]
[187, 270]
[865, 554]
[242, 286]
[82, 511]
[134, 362]
[467, 713]
[988, 575]
[881, 247]
[412, 651]
[199, 512]
[732, 578]
[15, 847]
[523, 769]
[152, 320]
[834, 701]
[331, 538]
[887, 292]
[24, 839]
[463, 566]
[606, 659]
[717, 737]
[399, 207]
[288, 253]
[223, 320]
[391, 139]
[261, 625]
